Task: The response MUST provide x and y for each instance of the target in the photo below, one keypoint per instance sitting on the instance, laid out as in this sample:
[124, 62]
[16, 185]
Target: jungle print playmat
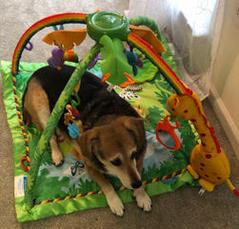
[68, 188]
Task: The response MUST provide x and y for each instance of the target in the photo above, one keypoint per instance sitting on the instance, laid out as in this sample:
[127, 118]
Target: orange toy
[71, 56]
[129, 80]
[167, 127]
[65, 39]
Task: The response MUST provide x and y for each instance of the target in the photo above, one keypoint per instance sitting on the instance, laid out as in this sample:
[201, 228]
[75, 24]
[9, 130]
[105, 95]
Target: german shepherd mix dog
[113, 141]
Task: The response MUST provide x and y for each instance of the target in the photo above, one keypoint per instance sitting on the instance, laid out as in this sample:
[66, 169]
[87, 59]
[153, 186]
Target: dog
[113, 140]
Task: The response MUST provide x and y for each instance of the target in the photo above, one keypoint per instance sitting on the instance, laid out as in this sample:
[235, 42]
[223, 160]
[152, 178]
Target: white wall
[225, 76]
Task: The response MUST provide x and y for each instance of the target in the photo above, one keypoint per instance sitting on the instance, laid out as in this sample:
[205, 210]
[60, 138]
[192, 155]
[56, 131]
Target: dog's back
[95, 100]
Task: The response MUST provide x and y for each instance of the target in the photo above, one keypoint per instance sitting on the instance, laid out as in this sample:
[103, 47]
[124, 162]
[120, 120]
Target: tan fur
[37, 106]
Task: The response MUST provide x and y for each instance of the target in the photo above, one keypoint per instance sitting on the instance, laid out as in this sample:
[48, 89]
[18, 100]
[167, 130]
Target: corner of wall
[225, 119]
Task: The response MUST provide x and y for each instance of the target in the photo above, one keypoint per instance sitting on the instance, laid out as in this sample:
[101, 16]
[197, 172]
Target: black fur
[95, 100]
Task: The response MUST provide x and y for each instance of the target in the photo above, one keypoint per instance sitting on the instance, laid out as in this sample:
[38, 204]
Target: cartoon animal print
[208, 161]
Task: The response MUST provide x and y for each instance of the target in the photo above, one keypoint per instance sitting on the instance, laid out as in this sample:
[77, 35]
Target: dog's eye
[116, 162]
[133, 155]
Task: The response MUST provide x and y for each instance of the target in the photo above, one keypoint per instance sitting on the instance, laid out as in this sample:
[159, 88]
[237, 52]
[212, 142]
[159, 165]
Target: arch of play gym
[141, 33]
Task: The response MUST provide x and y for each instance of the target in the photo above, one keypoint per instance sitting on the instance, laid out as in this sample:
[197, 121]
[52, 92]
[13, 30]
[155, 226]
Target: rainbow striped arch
[39, 25]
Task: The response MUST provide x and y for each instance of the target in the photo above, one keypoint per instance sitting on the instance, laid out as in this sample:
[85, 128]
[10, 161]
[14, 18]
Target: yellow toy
[208, 161]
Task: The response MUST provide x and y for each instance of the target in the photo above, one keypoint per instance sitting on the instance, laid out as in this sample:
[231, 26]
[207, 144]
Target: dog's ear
[135, 126]
[89, 142]
[90, 147]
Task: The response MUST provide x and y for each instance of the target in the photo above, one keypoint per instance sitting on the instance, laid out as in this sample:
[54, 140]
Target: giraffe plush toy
[208, 161]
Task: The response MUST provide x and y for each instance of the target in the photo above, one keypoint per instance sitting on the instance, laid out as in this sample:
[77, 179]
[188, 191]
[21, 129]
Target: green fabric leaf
[114, 60]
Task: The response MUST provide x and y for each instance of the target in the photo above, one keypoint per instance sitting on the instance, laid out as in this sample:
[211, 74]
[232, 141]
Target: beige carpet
[182, 209]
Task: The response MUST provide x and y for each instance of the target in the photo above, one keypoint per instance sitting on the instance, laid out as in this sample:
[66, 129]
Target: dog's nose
[136, 184]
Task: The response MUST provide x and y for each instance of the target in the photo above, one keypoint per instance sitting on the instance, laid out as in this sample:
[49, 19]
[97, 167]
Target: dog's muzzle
[136, 184]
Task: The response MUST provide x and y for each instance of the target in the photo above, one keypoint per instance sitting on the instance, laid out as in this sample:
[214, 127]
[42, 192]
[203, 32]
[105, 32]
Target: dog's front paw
[143, 200]
[115, 204]
[57, 158]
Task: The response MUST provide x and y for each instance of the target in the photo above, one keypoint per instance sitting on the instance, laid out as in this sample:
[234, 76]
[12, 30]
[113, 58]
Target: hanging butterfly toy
[74, 128]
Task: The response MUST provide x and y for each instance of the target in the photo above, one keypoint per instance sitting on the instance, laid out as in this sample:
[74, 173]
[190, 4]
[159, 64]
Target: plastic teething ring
[166, 126]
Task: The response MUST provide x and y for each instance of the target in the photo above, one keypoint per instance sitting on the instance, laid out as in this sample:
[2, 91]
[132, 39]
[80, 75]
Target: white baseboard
[225, 119]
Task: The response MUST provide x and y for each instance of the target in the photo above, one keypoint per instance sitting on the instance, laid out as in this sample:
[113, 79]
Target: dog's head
[117, 149]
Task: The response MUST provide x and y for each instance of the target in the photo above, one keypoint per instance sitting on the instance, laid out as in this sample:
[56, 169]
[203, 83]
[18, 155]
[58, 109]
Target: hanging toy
[57, 58]
[73, 130]
[66, 39]
[75, 100]
[133, 60]
[131, 56]
[29, 46]
[71, 56]
[105, 76]
[165, 127]
[73, 122]
[94, 61]
[73, 111]
[68, 118]
[130, 80]
[56, 28]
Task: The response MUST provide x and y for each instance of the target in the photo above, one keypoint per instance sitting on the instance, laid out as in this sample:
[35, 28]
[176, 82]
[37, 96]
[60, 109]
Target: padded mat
[59, 190]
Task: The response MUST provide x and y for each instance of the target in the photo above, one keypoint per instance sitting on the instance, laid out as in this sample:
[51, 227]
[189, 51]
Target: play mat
[150, 85]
